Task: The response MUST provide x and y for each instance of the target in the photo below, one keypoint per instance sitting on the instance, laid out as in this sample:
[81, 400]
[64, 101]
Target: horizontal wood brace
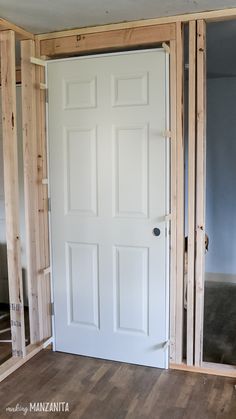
[38, 61]
[47, 270]
[207, 368]
[108, 41]
[168, 217]
[43, 86]
[167, 134]
[47, 343]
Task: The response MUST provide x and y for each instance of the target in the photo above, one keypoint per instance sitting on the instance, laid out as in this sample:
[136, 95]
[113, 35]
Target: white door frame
[168, 190]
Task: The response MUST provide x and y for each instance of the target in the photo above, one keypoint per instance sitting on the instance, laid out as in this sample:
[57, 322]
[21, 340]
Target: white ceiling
[40, 16]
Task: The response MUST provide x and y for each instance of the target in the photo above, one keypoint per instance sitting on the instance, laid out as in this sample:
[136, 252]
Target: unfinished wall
[3, 255]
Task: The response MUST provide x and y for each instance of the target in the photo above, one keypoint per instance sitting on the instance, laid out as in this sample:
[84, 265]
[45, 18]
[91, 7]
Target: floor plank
[97, 389]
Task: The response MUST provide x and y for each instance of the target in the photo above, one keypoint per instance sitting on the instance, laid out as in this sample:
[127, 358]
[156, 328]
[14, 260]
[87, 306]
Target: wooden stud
[191, 191]
[179, 194]
[30, 180]
[173, 201]
[109, 41]
[11, 188]
[42, 191]
[37, 61]
[200, 189]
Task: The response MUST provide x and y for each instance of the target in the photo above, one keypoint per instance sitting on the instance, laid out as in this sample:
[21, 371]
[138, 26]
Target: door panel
[108, 176]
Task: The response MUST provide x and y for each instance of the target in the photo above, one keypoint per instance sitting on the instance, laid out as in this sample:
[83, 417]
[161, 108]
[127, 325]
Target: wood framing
[173, 201]
[191, 192]
[44, 280]
[29, 123]
[179, 195]
[115, 37]
[200, 189]
[20, 33]
[107, 41]
[208, 368]
[11, 189]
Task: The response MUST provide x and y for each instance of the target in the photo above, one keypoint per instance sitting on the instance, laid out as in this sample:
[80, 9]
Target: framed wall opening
[68, 43]
[219, 338]
[209, 179]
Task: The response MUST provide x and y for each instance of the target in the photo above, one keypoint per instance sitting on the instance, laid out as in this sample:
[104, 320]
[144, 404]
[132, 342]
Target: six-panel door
[108, 166]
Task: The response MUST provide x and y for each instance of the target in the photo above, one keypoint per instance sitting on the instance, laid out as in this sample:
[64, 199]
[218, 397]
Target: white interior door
[109, 190]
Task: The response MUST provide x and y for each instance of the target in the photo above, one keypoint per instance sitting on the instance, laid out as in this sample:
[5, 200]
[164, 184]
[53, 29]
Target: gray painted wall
[221, 175]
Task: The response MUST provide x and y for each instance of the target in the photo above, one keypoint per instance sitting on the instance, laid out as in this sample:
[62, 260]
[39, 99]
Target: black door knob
[156, 231]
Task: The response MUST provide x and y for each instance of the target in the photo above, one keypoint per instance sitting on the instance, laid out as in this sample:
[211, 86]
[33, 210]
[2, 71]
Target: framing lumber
[173, 200]
[44, 280]
[179, 194]
[207, 368]
[107, 41]
[210, 16]
[11, 189]
[200, 189]
[30, 180]
[191, 191]
[20, 32]
[37, 61]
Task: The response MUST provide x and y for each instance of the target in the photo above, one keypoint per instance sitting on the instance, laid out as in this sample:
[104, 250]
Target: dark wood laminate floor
[219, 341]
[97, 389]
